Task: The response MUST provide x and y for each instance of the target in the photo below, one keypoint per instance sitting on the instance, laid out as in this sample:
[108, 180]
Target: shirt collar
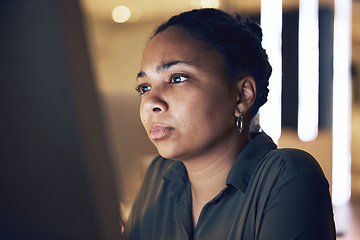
[177, 177]
[248, 159]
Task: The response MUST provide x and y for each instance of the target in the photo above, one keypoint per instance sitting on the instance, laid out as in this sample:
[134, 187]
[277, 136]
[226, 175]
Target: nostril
[156, 109]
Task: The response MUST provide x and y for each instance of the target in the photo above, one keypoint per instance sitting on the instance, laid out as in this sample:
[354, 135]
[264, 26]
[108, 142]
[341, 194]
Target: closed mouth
[158, 132]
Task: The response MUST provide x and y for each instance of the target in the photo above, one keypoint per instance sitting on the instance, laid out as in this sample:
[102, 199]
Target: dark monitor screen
[55, 178]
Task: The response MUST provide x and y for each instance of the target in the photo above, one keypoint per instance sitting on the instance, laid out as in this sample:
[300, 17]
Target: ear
[246, 94]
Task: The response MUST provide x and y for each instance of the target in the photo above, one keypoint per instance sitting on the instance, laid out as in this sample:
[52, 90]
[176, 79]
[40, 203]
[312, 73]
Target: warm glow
[308, 70]
[271, 24]
[135, 13]
[121, 14]
[341, 185]
[209, 3]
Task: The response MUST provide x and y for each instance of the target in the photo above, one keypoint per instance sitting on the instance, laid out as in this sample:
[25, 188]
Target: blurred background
[71, 125]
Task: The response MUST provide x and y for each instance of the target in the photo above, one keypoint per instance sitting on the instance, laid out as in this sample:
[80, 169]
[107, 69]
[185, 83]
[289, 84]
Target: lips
[158, 132]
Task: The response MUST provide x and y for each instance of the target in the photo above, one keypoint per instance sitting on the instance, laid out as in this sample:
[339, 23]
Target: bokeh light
[121, 14]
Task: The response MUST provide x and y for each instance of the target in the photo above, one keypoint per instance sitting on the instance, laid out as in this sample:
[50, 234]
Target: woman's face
[187, 106]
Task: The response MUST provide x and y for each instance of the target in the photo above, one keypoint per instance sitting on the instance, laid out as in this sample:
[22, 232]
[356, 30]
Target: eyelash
[140, 88]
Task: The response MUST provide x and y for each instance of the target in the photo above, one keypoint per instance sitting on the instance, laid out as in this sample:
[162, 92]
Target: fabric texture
[271, 193]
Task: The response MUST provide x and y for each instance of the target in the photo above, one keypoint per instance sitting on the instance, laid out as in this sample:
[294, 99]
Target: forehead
[175, 43]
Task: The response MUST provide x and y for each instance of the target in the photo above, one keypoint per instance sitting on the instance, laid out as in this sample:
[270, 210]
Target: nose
[154, 102]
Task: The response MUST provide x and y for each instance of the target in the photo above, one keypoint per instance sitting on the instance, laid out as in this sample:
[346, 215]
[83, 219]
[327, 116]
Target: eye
[178, 78]
[142, 88]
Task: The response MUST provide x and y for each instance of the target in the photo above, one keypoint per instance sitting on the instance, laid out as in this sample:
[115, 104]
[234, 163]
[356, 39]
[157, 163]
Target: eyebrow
[164, 67]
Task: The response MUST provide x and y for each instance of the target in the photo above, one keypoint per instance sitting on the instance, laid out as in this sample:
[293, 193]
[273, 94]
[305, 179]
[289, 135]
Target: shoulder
[295, 165]
[297, 194]
[294, 160]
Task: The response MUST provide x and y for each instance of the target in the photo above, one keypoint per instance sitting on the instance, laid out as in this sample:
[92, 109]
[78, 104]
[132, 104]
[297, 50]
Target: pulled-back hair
[236, 38]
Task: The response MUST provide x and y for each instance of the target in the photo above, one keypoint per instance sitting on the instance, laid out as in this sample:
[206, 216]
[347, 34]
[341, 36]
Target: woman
[203, 77]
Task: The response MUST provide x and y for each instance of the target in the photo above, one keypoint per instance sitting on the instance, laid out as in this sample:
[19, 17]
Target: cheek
[219, 112]
[143, 115]
[205, 112]
[215, 101]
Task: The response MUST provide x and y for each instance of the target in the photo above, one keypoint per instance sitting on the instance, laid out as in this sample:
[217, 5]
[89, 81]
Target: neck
[215, 164]
[208, 174]
[208, 177]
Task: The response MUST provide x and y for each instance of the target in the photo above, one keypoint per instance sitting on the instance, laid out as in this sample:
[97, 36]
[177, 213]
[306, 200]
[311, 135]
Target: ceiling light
[121, 14]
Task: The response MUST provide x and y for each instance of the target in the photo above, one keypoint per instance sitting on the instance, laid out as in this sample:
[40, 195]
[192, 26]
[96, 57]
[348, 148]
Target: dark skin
[188, 110]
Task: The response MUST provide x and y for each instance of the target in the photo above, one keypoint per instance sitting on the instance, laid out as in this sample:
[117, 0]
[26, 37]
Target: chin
[168, 153]
[174, 150]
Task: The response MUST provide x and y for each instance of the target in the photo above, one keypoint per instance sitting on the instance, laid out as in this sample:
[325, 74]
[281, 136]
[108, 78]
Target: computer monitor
[55, 175]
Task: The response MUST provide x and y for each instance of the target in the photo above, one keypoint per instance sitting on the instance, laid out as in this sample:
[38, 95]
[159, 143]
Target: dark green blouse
[271, 194]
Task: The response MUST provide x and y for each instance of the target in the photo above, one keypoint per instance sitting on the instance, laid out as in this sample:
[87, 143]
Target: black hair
[236, 38]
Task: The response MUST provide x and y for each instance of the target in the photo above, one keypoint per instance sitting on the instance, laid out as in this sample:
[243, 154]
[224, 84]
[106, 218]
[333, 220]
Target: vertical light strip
[271, 24]
[308, 70]
[341, 184]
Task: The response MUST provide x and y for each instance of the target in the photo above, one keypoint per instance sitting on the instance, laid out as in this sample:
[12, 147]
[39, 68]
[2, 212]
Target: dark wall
[290, 62]
[290, 57]
[55, 181]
